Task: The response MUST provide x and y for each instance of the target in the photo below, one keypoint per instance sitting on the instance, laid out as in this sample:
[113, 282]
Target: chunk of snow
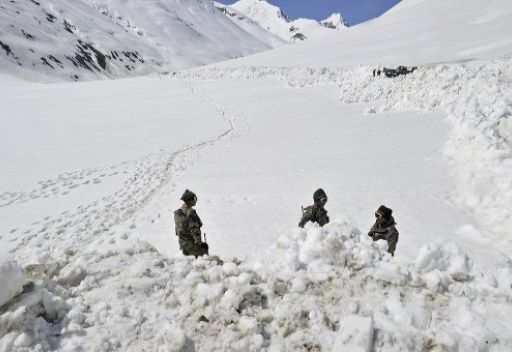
[355, 334]
[11, 279]
[446, 257]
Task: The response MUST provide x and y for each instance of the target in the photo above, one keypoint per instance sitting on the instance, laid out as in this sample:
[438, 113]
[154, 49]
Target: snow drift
[298, 295]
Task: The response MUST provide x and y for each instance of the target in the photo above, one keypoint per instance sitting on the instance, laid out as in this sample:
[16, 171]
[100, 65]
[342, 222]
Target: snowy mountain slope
[413, 32]
[250, 26]
[273, 19]
[86, 39]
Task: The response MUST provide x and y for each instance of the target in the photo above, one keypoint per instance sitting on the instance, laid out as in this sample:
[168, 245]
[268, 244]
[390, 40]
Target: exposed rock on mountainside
[90, 39]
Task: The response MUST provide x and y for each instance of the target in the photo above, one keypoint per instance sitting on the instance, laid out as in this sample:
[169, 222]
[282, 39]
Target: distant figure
[316, 212]
[384, 228]
[188, 227]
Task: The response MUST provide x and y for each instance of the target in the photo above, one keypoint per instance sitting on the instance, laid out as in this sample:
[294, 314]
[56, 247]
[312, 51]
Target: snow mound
[11, 277]
[315, 289]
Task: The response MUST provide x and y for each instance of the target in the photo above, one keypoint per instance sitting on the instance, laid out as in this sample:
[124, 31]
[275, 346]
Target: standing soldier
[188, 227]
[316, 212]
[384, 228]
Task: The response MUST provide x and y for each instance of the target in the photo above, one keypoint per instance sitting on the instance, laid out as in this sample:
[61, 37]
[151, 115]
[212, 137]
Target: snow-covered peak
[335, 21]
[273, 19]
[249, 25]
[260, 11]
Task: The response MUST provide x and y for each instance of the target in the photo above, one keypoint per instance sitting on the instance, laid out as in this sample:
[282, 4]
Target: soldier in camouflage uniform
[385, 228]
[316, 212]
[188, 227]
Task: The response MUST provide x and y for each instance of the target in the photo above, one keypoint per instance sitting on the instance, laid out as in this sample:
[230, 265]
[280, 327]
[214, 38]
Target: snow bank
[478, 99]
[11, 278]
[315, 289]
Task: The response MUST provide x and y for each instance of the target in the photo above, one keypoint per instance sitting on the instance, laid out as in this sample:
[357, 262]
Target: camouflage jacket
[187, 224]
[386, 231]
[314, 213]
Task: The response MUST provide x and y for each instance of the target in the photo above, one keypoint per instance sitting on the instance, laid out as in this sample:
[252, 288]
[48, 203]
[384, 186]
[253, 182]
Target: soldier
[316, 212]
[384, 228]
[188, 227]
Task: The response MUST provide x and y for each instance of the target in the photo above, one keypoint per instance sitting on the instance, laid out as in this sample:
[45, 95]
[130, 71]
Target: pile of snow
[316, 289]
[273, 19]
[90, 39]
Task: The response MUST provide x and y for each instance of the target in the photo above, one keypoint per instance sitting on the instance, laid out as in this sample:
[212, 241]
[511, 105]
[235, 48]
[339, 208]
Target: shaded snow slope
[273, 19]
[87, 39]
[412, 32]
[250, 26]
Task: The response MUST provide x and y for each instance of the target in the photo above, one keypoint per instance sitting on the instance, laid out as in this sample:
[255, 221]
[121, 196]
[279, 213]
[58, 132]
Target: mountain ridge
[275, 20]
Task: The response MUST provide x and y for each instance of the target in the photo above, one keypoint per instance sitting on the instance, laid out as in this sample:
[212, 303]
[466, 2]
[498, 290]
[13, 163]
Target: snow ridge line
[292, 76]
[96, 221]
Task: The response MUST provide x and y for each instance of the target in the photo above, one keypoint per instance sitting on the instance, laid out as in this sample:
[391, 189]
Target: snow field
[477, 98]
[298, 295]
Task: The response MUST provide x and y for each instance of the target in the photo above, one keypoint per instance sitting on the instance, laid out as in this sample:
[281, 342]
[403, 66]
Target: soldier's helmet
[188, 196]
[320, 196]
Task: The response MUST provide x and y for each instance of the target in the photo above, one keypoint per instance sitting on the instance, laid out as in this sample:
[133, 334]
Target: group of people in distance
[188, 224]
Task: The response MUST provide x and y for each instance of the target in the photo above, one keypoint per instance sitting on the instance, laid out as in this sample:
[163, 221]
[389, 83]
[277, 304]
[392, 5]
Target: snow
[335, 21]
[355, 334]
[92, 172]
[273, 19]
[250, 26]
[12, 280]
[256, 307]
[411, 33]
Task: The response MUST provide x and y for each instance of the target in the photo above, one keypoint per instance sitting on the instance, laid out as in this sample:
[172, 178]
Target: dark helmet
[188, 196]
[385, 212]
[319, 195]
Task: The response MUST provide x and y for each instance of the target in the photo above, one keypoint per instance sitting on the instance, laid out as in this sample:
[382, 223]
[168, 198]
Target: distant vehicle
[400, 70]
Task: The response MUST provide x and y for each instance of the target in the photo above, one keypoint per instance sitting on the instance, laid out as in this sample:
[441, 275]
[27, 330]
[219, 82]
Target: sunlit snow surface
[91, 173]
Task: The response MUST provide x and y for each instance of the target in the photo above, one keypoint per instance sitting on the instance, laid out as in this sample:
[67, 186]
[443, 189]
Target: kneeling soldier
[188, 227]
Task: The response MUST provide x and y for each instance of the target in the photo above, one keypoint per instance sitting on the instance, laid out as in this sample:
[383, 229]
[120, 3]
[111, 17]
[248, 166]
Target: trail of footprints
[62, 185]
[95, 222]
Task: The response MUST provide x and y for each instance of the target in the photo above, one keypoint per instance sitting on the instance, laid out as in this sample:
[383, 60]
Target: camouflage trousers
[190, 247]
